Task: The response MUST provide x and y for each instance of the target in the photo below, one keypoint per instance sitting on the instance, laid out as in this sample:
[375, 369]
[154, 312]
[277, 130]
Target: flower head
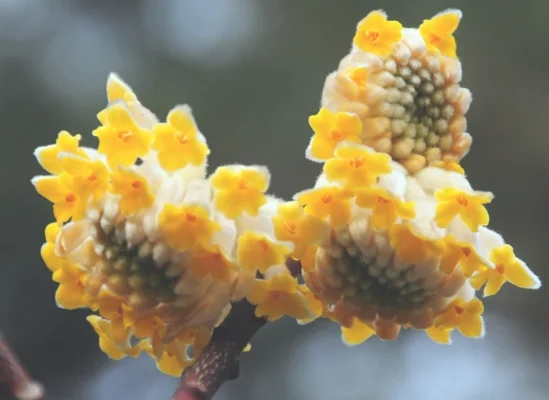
[403, 85]
[377, 35]
[331, 129]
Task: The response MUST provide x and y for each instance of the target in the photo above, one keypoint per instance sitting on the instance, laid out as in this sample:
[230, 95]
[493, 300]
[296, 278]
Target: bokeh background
[253, 72]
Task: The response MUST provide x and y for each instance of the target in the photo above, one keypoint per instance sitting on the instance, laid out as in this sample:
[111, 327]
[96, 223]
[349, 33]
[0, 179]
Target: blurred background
[253, 71]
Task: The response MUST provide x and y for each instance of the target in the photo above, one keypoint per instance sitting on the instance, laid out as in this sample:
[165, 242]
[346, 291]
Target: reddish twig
[16, 377]
[219, 360]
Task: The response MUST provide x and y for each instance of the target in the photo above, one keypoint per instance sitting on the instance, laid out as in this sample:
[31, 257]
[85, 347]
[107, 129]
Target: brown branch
[219, 360]
[16, 377]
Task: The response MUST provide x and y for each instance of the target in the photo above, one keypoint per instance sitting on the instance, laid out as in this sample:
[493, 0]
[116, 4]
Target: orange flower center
[291, 226]
[383, 200]
[190, 218]
[92, 178]
[462, 200]
[434, 38]
[263, 244]
[500, 268]
[466, 251]
[335, 135]
[183, 139]
[125, 136]
[136, 185]
[372, 36]
[459, 310]
[326, 198]
[242, 184]
[357, 162]
[70, 198]
[275, 295]
[79, 284]
[119, 310]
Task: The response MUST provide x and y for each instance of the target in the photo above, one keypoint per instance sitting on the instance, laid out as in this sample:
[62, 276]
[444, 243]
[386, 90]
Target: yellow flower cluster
[155, 247]
[391, 236]
[398, 92]
[408, 244]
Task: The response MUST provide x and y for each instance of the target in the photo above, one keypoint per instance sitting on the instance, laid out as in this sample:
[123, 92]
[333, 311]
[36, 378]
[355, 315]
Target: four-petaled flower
[258, 252]
[331, 129]
[277, 297]
[48, 156]
[90, 178]
[121, 139]
[507, 268]
[67, 203]
[292, 224]
[239, 189]
[133, 189]
[71, 293]
[178, 141]
[469, 206]
[356, 165]
[386, 208]
[461, 253]
[438, 32]
[466, 316]
[114, 350]
[330, 202]
[186, 226]
[376, 34]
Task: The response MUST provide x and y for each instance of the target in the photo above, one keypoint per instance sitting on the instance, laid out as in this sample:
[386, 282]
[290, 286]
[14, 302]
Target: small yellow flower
[327, 202]
[133, 190]
[71, 293]
[386, 208]
[121, 139]
[357, 333]
[331, 129]
[112, 308]
[239, 189]
[438, 32]
[186, 227]
[439, 334]
[410, 247]
[48, 156]
[104, 329]
[377, 35]
[292, 224]
[451, 166]
[453, 202]
[508, 268]
[356, 165]
[90, 178]
[51, 259]
[465, 316]
[359, 75]
[173, 358]
[212, 262]
[117, 89]
[461, 253]
[277, 297]
[67, 203]
[258, 252]
[178, 142]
